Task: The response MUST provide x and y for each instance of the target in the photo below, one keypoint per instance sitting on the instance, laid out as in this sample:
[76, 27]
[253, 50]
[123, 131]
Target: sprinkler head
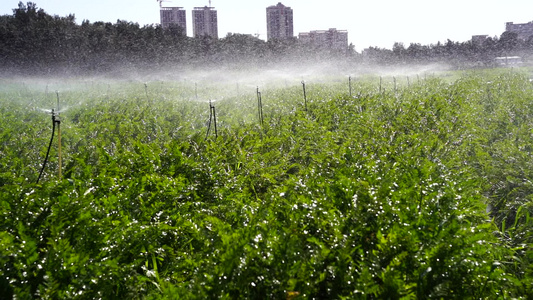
[55, 117]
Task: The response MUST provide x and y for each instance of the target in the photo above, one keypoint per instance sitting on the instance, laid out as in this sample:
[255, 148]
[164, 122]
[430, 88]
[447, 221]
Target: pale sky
[369, 23]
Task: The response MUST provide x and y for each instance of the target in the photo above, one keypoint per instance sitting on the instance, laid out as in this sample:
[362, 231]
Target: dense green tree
[509, 42]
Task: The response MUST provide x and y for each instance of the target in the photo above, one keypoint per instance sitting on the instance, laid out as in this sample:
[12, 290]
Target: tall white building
[173, 15]
[279, 22]
[205, 22]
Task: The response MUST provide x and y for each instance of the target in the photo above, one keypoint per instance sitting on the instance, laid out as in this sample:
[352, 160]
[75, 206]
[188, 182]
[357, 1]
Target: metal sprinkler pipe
[49, 146]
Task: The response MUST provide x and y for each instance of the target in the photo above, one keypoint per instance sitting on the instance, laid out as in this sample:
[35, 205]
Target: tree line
[459, 54]
[35, 42]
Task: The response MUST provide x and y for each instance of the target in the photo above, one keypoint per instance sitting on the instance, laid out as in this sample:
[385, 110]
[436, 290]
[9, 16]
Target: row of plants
[397, 191]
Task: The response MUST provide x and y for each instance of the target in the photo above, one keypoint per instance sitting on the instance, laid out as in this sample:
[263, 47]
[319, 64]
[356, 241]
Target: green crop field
[410, 187]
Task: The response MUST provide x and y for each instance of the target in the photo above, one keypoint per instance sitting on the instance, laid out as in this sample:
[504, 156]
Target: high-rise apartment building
[279, 22]
[173, 15]
[205, 22]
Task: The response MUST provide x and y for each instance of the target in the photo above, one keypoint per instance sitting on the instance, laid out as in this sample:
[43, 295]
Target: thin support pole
[305, 96]
[260, 107]
[146, 91]
[49, 146]
[350, 85]
[210, 117]
[215, 120]
[59, 146]
[58, 121]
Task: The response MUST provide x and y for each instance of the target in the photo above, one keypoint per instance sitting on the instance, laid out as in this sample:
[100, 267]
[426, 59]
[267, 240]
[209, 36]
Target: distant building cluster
[524, 31]
[280, 25]
[330, 39]
[204, 20]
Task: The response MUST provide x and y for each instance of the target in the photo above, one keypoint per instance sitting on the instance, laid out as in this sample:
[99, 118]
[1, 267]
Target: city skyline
[369, 24]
